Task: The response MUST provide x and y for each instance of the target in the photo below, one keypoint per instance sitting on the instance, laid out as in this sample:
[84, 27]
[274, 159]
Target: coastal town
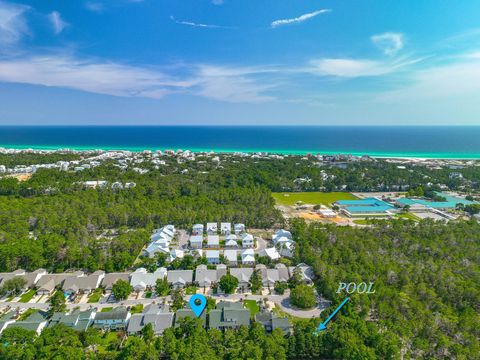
[250, 273]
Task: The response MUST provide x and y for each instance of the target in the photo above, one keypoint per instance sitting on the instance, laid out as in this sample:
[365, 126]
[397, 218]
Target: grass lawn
[314, 198]
[136, 309]
[293, 319]
[408, 216]
[107, 309]
[252, 306]
[28, 296]
[95, 296]
[362, 221]
[191, 290]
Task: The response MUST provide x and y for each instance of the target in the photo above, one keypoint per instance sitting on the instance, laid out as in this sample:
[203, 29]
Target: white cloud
[221, 83]
[57, 22]
[298, 19]
[232, 84]
[350, 68]
[193, 24]
[460, 78]
[13, 25]
[390, 43]
[217, 2]
[94, 6]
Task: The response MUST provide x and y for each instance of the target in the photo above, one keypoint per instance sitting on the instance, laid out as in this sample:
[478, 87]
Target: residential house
[239, 228]
[243, 275]
[225, 228]
[305, 271]
[197, 229]
[271, 253]
[76, 319]
[157, 315]
[188, 313]
[31, 278]
[176, 254]
[141, 280]
[212, 228]
[248, 257]
[36, 322]
[83, 283]
[213, 241]
[283, 274]
[221, 270]
[48, 283]
[213, 256]
[180, 278]
[116, 319]
[247, 240]
[205, 277]
[231, 241]
[196, 241]
[112, 278]
[270, 321]
[231, 256]
[281, 233]
[156, 247]
[229, 315]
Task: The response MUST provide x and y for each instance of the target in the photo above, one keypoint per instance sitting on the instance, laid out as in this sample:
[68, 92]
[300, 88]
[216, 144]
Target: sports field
[314, 198]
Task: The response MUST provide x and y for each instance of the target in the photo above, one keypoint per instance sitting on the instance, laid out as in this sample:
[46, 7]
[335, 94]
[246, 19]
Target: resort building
[365, 207]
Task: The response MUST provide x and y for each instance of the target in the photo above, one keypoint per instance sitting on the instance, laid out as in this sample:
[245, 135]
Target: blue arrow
[323, 326]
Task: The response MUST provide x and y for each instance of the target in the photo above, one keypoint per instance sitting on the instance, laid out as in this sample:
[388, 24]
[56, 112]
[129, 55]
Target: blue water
[436, 142]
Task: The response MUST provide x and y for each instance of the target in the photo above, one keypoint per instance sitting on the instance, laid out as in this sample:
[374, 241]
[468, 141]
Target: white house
[271, 253]
[247, 241]
[196, 241]
[154, 248]
[213, 241]
[281, 233]
[248, 257]
[231, 241]
[176, 254]
[231, 256]
[239, 228]
[225, 228]
[213, 256]
[197, 229]
[212, 228]
[140, 279]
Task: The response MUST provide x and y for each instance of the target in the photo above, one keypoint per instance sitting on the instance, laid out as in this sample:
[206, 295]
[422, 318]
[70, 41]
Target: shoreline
[373, 154]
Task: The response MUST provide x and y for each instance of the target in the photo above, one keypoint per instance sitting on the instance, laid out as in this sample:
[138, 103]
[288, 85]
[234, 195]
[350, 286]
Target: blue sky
[279, 62]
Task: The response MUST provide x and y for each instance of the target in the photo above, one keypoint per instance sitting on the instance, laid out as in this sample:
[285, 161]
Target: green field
[314, 198]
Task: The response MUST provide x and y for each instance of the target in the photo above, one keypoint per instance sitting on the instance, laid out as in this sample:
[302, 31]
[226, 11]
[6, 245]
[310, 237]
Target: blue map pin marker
[198, 308]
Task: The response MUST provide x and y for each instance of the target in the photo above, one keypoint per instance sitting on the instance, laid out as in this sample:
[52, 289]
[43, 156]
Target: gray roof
[112, 278]
[205, 277]
[33, 322]
[180, 277]
[85, 283]
[118, 313]
[184, 313]
[154, 314]
[229, 315]
[77, 320]
[242, 274]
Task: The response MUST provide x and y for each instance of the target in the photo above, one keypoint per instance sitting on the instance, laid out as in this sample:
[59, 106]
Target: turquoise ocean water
[388, 141]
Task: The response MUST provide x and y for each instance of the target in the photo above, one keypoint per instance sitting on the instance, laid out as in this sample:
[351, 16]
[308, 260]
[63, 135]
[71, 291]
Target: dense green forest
[426, 275]
[50, 221]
